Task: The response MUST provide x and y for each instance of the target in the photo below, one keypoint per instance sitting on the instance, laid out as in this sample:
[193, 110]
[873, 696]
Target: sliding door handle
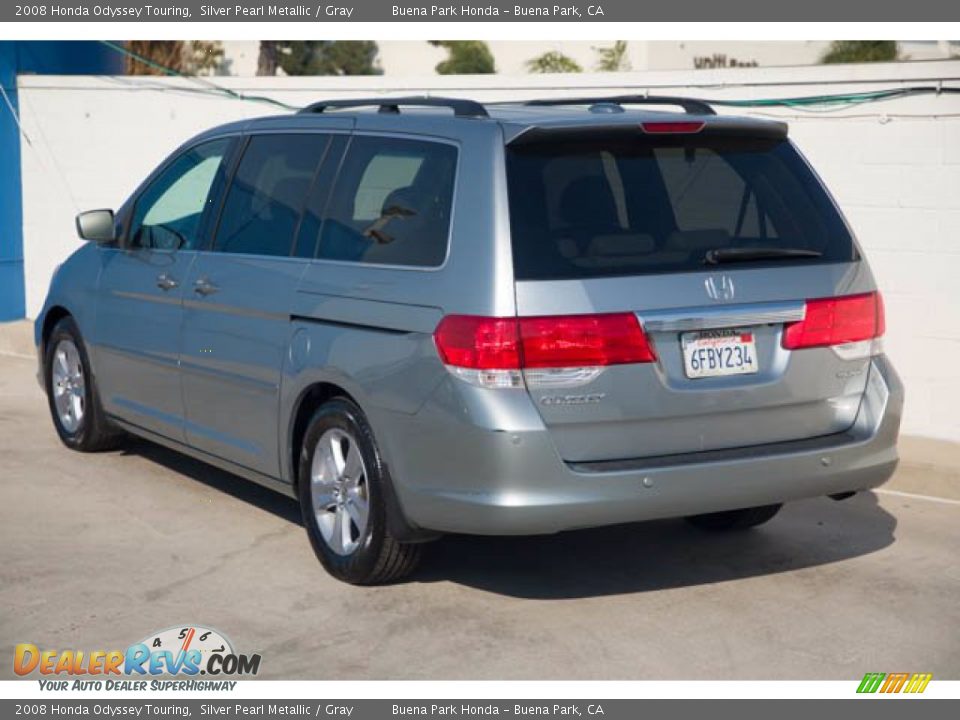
[165, 282]
[204, 287]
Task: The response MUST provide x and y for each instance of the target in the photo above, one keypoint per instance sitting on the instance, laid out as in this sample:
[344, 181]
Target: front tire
[72, 395]
[341, 485]
[733, 520]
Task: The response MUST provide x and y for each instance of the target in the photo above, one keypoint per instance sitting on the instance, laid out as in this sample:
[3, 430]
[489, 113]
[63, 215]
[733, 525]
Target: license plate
[714, 353]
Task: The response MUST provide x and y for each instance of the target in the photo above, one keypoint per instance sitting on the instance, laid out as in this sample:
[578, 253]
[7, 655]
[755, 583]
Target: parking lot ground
[98, 551]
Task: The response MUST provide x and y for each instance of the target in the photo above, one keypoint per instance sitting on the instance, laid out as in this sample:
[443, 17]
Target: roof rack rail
[461, 108]
[689, 105]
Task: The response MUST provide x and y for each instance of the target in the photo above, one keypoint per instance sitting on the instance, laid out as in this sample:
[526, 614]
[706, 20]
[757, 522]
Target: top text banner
[481, 11]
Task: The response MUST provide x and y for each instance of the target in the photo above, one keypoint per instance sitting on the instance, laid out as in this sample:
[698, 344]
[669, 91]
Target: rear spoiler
[692, 106]
[627, 128]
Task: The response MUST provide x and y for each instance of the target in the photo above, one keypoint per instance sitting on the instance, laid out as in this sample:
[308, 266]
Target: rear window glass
[615, 206]
[391, 204]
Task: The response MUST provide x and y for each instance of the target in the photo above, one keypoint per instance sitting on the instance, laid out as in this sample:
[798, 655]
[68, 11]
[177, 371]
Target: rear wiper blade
[748, 254]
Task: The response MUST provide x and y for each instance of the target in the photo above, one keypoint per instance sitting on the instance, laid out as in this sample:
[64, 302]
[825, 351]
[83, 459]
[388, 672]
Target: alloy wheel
[68, 385]
[338, 479]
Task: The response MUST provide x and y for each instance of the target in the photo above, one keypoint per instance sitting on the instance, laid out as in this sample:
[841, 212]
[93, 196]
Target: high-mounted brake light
[677, 126]
[492, 351]
[837, 321]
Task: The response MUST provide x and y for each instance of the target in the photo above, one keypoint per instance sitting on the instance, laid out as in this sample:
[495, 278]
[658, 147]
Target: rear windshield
[634, 206]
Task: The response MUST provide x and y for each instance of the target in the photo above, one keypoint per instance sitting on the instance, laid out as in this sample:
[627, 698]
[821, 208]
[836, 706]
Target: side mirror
[96, 226]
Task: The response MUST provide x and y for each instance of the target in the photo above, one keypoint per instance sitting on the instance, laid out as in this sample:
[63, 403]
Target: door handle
[204, 287]
[165, 282]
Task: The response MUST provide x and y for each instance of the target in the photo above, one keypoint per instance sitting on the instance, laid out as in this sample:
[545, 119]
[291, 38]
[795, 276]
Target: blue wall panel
[12, 302]
[68, 57]
[34, 57]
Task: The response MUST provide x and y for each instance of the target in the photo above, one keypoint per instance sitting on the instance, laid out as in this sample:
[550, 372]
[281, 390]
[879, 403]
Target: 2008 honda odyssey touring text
[427, 315]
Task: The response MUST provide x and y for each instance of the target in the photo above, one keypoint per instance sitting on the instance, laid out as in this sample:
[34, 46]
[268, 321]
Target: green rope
[849, 99]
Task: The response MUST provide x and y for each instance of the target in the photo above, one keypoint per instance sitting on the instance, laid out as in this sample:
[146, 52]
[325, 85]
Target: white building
[418, 58]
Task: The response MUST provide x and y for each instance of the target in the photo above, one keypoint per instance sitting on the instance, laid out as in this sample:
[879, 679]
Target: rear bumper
[452, 475]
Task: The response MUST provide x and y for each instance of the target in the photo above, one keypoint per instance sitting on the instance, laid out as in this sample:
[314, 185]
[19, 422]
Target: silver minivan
[426, 315]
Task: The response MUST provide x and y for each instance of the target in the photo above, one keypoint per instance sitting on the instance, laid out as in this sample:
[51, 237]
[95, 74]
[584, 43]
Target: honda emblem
[719, 287]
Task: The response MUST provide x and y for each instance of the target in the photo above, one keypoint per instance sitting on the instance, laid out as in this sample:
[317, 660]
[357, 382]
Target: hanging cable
[839, 99]
[207, 84]
[14, 114]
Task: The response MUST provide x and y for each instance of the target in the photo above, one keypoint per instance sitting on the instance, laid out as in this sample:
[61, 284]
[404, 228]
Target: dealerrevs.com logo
[182, 651]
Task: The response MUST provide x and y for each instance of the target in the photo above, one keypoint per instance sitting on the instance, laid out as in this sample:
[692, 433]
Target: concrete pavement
[100, 550]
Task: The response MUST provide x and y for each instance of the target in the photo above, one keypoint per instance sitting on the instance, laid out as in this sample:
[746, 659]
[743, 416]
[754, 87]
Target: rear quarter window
[609, 206]
[391, 204]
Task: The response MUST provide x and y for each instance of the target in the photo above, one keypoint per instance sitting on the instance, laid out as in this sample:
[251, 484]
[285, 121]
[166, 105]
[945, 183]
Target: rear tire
[732, 520]
[72, 395]
[342, 500]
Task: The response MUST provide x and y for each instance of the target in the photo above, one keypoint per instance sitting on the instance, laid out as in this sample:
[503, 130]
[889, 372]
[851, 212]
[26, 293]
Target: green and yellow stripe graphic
[894, 682]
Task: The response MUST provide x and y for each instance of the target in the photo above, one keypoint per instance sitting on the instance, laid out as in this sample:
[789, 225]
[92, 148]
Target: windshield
[609, 205]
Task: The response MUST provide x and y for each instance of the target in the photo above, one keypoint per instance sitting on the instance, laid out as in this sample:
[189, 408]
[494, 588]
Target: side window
[306, 243]
[391, 204]
[167, 214]
[267, 194]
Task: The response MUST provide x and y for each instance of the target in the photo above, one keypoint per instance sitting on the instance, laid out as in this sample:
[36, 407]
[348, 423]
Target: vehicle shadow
[264, 498]
[623, 559]
[643, 557]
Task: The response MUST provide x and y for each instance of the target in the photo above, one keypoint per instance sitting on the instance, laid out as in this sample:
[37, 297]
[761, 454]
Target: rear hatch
[728, 252]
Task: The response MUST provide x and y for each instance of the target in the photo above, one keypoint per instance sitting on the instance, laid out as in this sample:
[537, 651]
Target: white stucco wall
[417, 57]
[894, 167]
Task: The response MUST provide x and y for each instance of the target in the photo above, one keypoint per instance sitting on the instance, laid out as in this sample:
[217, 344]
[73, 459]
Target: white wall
[894, 167]
[418, 57]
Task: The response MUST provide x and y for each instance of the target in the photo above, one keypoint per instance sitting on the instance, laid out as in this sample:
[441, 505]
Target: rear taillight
[479, 343]
[583, 341]
[492, 351]
[837, 321]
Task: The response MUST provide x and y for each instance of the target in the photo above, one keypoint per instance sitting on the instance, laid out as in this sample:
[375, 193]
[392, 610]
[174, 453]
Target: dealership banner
[479, 11]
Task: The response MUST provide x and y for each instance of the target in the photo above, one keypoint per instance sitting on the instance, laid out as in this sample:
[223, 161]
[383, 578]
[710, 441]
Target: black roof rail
[689, 105]
[461, 108]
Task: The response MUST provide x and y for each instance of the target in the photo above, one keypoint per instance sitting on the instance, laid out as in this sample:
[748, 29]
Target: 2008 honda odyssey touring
[426, 315]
